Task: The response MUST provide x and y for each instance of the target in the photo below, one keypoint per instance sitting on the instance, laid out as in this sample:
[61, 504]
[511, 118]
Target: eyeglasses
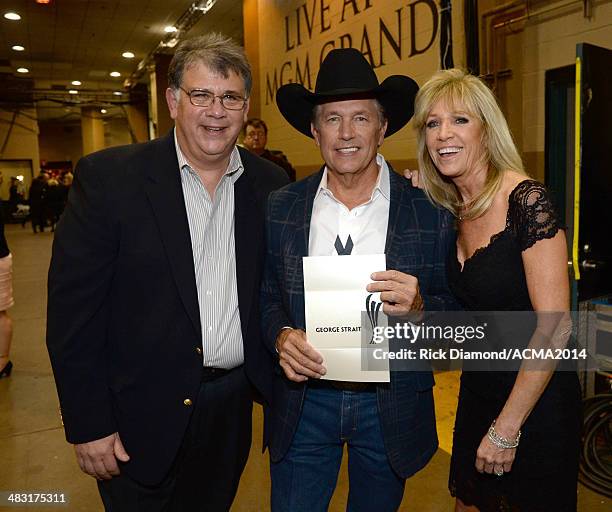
[203, 98]
[255, 134]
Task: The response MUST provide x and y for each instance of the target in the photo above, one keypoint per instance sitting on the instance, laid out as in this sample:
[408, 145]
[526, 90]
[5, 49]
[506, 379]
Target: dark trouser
[37, 214]
[207, 469]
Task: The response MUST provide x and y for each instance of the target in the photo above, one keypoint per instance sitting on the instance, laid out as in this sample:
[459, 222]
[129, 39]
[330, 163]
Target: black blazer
[123, 323]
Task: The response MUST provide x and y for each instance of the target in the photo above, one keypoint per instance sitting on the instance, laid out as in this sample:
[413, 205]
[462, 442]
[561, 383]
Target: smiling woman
[454, 101]
[454, 140]
[510, 255]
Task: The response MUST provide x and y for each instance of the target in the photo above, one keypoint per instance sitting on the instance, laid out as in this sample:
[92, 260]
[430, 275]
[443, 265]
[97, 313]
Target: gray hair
[218, 52]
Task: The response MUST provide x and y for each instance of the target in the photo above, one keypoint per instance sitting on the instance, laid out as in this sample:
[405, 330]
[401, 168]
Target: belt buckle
[210, 373]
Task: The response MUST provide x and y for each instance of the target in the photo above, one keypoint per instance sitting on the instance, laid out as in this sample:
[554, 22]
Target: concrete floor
[35, 457]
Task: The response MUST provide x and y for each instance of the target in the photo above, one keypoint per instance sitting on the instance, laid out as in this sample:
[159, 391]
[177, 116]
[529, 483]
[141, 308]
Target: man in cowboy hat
[355, 204]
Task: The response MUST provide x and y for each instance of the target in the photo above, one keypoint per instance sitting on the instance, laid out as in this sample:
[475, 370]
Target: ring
[500, 472]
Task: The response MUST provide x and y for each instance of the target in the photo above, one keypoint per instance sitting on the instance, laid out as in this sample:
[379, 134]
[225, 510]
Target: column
[160, 120]
[92, 130]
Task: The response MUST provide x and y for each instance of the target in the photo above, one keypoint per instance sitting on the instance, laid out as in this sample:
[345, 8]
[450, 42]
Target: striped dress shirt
[211, 226]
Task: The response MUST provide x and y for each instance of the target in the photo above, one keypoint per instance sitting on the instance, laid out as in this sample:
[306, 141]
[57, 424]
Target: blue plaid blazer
[418, 239]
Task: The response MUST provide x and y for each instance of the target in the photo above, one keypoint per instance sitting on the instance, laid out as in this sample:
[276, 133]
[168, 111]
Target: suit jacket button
[188, 402]
[199, 350]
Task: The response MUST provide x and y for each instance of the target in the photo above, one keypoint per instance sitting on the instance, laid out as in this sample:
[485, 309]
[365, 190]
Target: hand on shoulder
[413, 176]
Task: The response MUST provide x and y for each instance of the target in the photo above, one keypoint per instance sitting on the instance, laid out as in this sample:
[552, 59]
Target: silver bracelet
[502, 442]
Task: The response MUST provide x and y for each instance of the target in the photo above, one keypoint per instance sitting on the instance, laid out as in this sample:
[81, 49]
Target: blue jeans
[305, 479]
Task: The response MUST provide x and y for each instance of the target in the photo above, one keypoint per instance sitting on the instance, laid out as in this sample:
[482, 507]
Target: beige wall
[523, 50]
[21, 142]
[289, 55]
[116, 132]
[549, 41]
[61, 141]
[544, 37]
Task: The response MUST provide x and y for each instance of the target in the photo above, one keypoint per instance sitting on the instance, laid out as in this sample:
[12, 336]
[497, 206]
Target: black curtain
[470, 19]
[446, 35]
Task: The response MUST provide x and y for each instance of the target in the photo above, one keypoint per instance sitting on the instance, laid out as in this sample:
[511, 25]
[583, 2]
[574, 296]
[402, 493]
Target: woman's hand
[492, 459]
[413, 176]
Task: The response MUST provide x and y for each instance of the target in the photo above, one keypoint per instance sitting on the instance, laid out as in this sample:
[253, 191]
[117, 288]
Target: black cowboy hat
[346, 73]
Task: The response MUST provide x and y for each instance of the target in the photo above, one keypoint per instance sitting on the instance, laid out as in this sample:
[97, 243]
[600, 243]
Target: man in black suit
[153, 318]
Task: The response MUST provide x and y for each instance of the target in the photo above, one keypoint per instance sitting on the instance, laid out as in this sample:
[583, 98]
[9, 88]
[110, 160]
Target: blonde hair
[455, 86]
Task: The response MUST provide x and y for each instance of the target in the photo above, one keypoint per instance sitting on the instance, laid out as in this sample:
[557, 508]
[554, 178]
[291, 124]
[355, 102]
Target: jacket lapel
[165, 194]
[311, 191]
[248, 236]
[396, 191]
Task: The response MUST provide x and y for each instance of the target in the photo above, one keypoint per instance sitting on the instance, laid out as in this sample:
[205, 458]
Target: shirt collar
[382, 185]
[234, 169]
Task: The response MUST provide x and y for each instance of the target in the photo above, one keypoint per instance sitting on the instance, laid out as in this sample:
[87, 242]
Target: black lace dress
[545, 470]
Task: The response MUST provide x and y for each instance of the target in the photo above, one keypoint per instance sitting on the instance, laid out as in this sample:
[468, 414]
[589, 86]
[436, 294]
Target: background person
[15, 194]
[6, 301]
[510, 256]
[38, 202]
[255, 139]
[54, 202]
[153, 309]
[65, 184]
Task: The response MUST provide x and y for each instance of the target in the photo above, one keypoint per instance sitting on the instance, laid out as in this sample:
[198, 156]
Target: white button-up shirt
[366, 224]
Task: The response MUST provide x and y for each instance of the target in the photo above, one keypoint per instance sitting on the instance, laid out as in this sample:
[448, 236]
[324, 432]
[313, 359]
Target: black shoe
[6, 371]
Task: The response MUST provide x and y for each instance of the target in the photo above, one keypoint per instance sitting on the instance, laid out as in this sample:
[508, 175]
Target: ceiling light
[44, 2]
[205, 5]
[73, 91]
[13, 16]
[76, 82]
[103, 111]
[168, 29]
[115, 74]
[128, 55]
[23, 70]
[170, 43]
[117, 93]
[18, 48]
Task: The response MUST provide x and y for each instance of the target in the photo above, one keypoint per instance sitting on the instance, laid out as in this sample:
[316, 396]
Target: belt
[342, 385]
[209, 373]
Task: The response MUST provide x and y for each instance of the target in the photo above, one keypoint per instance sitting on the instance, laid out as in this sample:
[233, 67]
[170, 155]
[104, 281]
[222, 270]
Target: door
[578, 133]
[592, 233]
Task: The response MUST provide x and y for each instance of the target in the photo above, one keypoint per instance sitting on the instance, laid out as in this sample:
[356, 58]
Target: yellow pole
[575, 240]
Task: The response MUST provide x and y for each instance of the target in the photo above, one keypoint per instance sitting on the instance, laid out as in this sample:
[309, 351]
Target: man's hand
[298, 358]
[99, 458]
[399, 292]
